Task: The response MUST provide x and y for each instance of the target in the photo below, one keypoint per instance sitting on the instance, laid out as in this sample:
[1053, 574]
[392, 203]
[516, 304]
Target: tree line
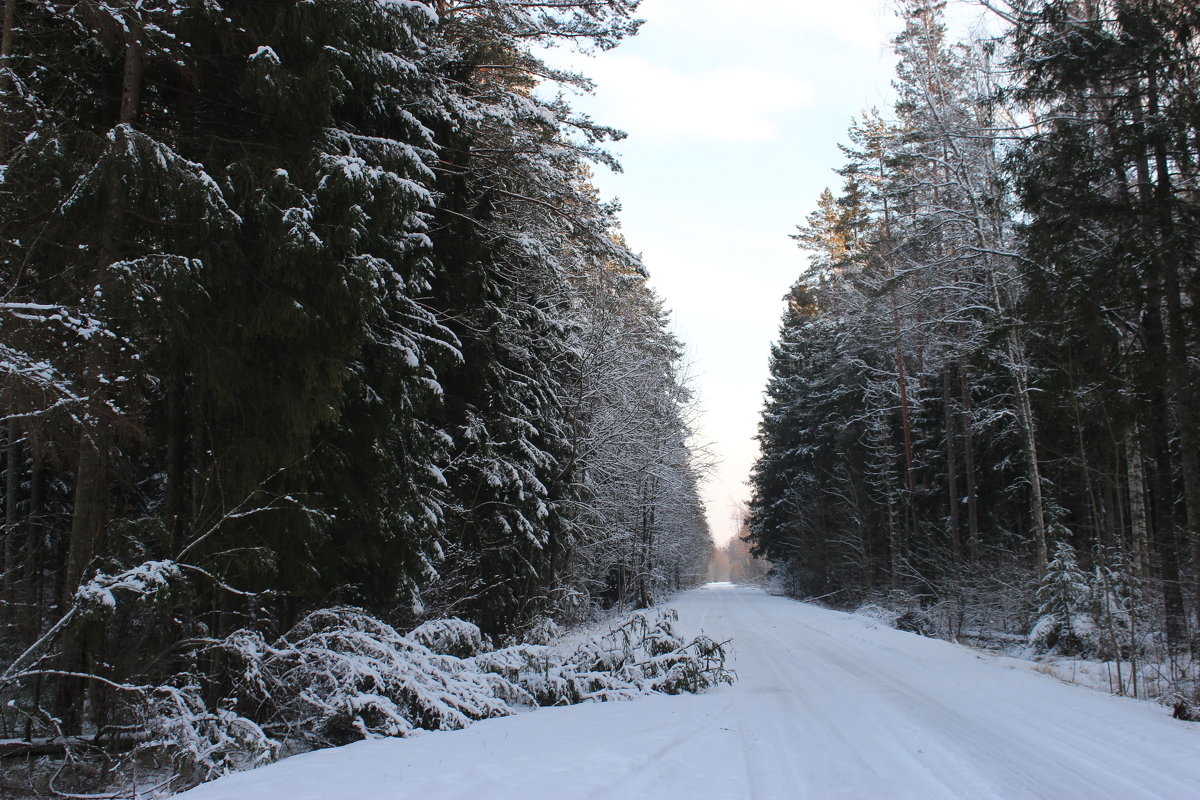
[308, 305]
[985, 381]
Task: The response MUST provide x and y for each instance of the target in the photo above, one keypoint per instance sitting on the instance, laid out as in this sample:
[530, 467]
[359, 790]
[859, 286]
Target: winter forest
[313, 330]
[982, 413]
[335, 405]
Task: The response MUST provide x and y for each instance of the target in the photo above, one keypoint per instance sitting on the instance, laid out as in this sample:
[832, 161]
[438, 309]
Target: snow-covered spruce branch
[642, 655]
[171, 720]
[342, 675]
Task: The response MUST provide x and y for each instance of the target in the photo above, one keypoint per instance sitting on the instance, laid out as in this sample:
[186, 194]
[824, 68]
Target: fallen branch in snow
[343, 675]
[19, 748]
[640, 656]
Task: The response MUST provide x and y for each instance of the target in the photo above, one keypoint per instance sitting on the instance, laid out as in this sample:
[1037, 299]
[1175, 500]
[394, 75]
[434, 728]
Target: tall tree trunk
[12, 483]
[90, 476]
[89, 511]
[902, 388]
[90, 507]
[1111, 516]
[88, 518]
[1033, 471]
[177, 436]
[952, 472]
[894, 541]
[1166, 542]
[645, 587]
[8, 25]
[973, 541]
[1084, 462]
[1179, 371]
[131, 82]
[1018, 368]
[9, 574]
[1154, 194]
[1034, 476]
[35, 546]
[905, 423]
[38, 558]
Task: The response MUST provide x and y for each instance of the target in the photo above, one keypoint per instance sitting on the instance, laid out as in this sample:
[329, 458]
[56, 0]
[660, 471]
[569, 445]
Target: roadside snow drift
[828, 705]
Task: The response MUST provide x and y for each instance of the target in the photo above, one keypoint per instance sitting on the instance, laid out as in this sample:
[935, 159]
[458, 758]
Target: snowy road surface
[828, 705]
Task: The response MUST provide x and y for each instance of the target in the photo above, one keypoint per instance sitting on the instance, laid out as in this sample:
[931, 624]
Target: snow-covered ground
[828, 705]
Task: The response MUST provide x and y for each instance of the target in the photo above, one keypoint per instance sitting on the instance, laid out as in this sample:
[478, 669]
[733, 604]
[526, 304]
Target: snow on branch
[643, 655]
[96, 596]
[342, 675]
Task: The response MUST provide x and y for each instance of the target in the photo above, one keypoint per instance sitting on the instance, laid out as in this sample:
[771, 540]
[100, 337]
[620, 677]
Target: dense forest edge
[313, 331]
[982, 411]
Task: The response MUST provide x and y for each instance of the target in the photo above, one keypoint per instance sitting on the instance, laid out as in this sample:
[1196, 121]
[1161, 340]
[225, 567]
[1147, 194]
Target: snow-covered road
[828, 705]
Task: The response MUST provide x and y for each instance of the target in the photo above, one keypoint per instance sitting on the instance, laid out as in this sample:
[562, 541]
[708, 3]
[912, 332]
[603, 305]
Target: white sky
[734, 111]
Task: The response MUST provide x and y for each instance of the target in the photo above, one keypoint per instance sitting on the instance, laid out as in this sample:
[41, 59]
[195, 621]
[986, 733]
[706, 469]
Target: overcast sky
[734, 112]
